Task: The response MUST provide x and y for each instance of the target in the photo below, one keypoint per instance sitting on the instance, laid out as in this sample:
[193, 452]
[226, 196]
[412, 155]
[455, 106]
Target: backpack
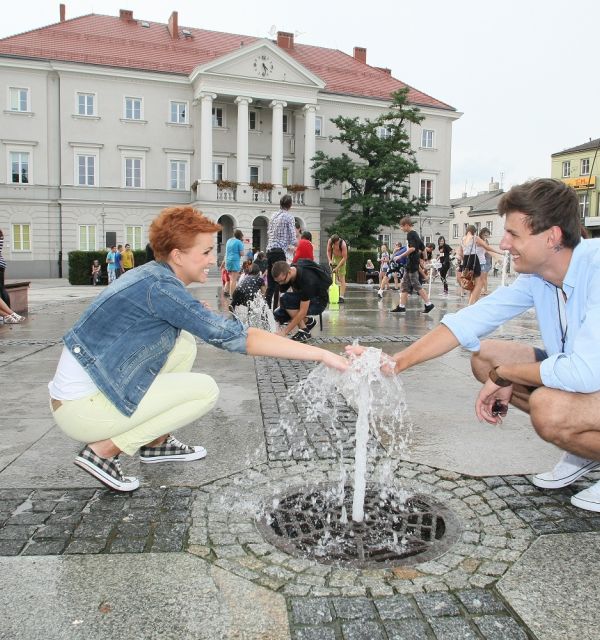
[324, 278]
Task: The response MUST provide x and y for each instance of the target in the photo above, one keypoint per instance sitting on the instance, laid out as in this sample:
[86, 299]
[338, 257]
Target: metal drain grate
[396, 530]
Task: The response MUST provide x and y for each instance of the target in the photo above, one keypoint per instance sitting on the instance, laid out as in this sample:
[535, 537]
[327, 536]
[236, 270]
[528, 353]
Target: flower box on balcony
[226, 184]
[262, 186]
[295, 188]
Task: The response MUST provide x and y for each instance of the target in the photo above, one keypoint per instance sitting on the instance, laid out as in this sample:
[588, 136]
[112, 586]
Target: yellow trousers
[175, 398]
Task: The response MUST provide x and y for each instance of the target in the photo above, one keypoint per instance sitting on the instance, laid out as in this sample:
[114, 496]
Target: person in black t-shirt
[306, 294]
[411, 273]
[445, 251]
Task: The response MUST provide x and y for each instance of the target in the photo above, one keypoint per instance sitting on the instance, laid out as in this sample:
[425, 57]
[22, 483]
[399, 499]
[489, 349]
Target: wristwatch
[496, 379]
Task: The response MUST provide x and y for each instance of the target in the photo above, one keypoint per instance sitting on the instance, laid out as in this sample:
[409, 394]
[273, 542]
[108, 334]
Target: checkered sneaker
[171, 450]
[13, 318]
[107, 470]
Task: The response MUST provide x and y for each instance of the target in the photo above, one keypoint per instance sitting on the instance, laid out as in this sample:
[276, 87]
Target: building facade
[481, 211]
[108, 120]
[579, 167]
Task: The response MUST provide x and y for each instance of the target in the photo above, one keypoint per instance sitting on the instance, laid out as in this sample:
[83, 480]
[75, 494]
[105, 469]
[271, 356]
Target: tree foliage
[375, 175]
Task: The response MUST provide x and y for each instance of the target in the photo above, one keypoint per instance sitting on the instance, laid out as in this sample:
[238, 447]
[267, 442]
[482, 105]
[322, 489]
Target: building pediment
[261, 61]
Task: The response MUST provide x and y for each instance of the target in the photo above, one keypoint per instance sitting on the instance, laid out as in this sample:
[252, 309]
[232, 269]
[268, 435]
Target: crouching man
[306, 286]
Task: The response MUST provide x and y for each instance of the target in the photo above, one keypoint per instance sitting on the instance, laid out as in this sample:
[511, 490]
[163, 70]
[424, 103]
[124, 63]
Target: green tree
[375, 175]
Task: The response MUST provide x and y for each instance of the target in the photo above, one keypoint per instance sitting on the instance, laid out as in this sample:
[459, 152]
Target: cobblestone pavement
[450, 597]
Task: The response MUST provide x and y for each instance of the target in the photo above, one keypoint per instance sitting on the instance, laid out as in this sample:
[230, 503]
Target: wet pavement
[183, 556]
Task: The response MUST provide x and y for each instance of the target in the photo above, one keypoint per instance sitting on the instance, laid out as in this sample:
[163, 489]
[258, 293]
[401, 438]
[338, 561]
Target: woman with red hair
[126, 385]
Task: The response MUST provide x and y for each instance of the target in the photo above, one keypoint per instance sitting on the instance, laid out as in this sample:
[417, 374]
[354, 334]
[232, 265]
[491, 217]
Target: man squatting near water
[558, 386]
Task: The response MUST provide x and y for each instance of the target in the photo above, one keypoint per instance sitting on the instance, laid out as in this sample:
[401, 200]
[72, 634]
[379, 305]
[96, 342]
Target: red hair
[177, 228]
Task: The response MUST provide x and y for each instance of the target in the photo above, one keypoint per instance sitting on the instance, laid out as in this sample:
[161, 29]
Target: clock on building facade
[263, 65]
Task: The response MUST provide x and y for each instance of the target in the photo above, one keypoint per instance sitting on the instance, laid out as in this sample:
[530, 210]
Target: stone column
[242, 139]
[277, 143]
[206, 137]
[309, 143]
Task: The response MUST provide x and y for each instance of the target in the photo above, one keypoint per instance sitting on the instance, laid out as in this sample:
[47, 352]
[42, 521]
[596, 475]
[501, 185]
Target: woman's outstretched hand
[335, 361]
[388, 364]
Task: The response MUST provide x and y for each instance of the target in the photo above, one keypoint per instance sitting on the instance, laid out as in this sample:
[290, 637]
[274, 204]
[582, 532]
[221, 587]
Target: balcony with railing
[226, 190]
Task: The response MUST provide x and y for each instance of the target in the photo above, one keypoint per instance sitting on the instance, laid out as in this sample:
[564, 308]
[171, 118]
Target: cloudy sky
[523, 72]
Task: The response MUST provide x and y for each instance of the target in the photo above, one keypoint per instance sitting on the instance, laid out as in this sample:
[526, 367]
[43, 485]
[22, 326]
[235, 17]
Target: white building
[481, 211]
[107, 120]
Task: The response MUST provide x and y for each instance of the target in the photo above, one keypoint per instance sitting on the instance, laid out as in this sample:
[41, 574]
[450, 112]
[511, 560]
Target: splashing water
[257, 314]
[379, 402]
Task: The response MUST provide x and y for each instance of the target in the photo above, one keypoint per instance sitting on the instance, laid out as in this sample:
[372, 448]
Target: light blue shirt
[578, 368]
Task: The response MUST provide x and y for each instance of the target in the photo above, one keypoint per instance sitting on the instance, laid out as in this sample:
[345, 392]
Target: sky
[522, 72]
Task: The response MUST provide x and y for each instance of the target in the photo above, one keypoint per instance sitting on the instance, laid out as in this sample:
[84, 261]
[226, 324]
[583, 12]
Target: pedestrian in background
[281, 235]
[127, 259]
[234, 251]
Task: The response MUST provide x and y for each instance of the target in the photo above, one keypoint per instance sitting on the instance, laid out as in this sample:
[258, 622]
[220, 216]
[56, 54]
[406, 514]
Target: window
[86, 104]
[318, 126]
[384, 132]
[477, 228]
[217, 171]
[287, 123]
[252, 120]
[253, 174]
[566, 169]
[584, 204]
[19, 167]
[455, 231]
[426, 190]
[585, 167]
[178, 174]
[86, 170]
[21, 237]
[133, 108]
[87, 237]
[383, 238]
[19, 99]
[217, 117]
[490, 225]
[178, 113]
[133, 236]
[133, 172]
[285, 172]
[427, 139]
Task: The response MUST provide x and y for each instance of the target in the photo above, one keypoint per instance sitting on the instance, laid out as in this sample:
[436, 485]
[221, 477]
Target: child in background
[246, 266]
[250, 285]
[96, 273]
[224, 279]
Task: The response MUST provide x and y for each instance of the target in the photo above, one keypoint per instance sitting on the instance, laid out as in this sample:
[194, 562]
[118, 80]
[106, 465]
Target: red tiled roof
[111, 41]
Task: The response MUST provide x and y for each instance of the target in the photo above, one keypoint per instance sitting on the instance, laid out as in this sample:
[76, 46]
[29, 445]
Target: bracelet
[497, 379]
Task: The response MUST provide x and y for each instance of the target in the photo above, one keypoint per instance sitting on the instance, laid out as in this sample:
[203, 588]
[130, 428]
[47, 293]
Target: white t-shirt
[71, 381]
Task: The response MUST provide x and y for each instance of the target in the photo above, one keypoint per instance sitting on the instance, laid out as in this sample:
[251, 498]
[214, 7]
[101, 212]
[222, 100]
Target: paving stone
[127, 545]
[363, 630]
[17, 532]
[95, 545]
[28, 518]
[452, 629]
[500, 628]
[45, 548]
[320, 633]
[395, 607]
[352, 608]
[11, 547]
[480, 601]
[407, 630]
[310, 610]
[437, 604]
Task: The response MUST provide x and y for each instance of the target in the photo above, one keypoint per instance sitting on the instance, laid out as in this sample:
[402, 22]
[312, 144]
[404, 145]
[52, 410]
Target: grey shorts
[410, 279]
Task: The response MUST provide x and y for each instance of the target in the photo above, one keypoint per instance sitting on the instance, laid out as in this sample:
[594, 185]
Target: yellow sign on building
[581, 183]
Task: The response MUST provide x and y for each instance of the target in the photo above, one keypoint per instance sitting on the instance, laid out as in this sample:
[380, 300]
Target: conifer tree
[375, 174]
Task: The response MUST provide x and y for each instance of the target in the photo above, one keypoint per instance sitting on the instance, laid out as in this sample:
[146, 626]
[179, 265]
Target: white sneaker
[588, 499]
[380, 293]
[568, 469]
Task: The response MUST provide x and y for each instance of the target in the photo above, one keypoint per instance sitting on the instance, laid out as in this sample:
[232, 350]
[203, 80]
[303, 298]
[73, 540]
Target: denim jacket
[124, 337]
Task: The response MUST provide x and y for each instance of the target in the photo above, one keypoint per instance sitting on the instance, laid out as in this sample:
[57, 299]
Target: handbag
[467, 276]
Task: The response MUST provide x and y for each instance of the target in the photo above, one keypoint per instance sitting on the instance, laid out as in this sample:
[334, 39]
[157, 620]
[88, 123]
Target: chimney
[126, 15]
[360, 54]
[174, 26]
[285, 40]
[62, 12]
[493, 186]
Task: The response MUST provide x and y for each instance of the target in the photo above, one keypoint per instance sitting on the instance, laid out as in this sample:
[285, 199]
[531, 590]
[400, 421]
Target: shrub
[357, 258]
[80, 264]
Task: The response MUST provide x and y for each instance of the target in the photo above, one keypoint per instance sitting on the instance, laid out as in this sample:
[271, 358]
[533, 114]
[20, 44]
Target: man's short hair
[307, 235]
[128, 246]
[286, 201]
[546, 203]
[406, 221]
[280, 268]
[238, 234]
